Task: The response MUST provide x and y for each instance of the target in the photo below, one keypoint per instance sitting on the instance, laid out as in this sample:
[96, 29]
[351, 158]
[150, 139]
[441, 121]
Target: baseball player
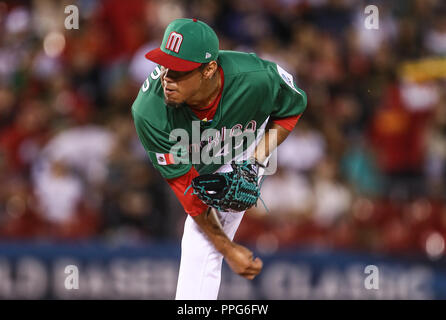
[196, 86]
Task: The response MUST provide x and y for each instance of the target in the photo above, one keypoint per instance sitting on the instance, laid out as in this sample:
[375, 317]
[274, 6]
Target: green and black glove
[233, 191]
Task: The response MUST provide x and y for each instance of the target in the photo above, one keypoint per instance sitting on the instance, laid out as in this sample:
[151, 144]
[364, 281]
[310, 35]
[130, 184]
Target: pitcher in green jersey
[202, 102]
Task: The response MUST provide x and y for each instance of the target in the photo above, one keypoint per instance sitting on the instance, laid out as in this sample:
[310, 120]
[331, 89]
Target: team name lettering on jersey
[219, 140]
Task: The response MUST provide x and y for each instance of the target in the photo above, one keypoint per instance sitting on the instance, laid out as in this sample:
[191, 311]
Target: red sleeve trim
[287, 123]
[191, 203]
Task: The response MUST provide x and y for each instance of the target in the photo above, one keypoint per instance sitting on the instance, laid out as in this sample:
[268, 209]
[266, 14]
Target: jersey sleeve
[160, 149]
[190, 201]
[287, 123]
[289, 100]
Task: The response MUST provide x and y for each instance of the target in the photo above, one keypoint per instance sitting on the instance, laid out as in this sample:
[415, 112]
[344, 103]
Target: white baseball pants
[200, 266]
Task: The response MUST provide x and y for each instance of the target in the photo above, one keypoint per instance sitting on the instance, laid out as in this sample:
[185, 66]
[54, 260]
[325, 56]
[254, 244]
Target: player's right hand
[240, 260]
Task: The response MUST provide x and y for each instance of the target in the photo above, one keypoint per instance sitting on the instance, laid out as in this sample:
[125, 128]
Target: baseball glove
[233, 191]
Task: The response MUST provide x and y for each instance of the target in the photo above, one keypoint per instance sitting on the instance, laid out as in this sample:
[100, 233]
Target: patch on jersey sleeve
[165, 159]
[287, 77]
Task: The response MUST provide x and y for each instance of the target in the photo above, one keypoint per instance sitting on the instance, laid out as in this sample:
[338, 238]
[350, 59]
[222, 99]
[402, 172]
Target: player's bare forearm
[239, 258]
[210, 225]
[273, 137]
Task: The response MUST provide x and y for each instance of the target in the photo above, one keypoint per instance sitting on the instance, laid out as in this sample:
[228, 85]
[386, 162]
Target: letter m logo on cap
[174, 41]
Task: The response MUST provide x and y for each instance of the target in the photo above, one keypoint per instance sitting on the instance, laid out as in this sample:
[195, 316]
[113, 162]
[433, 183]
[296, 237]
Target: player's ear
[210, 69]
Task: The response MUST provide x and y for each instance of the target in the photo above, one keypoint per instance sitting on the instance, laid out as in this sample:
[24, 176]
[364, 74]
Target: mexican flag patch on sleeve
[165, 159]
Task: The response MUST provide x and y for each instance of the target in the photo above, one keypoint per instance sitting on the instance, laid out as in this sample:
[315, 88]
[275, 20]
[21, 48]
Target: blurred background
[361, 179]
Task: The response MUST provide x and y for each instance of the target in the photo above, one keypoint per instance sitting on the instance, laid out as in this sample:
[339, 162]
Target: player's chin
[173, 103]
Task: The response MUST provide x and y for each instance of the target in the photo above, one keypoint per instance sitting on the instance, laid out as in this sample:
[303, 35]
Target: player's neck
[207, 93]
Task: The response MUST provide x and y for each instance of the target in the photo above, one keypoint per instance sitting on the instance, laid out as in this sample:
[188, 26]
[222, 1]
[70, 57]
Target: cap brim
[171, 62]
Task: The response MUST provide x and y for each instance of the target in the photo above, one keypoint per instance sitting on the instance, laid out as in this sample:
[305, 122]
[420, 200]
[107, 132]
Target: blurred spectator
[18, 217]
[134, 198]
[332, 199]
[21, 139]
[435, 40]
[435, 164]
[69, 170]
[358, 166]
[286, 194]
[302, 149]
[58, 193]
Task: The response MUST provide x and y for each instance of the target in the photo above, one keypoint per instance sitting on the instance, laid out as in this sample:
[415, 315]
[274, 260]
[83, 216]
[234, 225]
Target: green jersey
[254, 90]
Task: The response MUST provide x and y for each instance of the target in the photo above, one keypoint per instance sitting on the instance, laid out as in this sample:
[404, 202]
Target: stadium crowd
[364, 169]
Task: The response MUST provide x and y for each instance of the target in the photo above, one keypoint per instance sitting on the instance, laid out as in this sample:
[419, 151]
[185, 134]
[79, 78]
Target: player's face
[179, 86]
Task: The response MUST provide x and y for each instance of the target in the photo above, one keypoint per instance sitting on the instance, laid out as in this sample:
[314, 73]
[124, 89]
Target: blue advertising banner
[98, 271]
